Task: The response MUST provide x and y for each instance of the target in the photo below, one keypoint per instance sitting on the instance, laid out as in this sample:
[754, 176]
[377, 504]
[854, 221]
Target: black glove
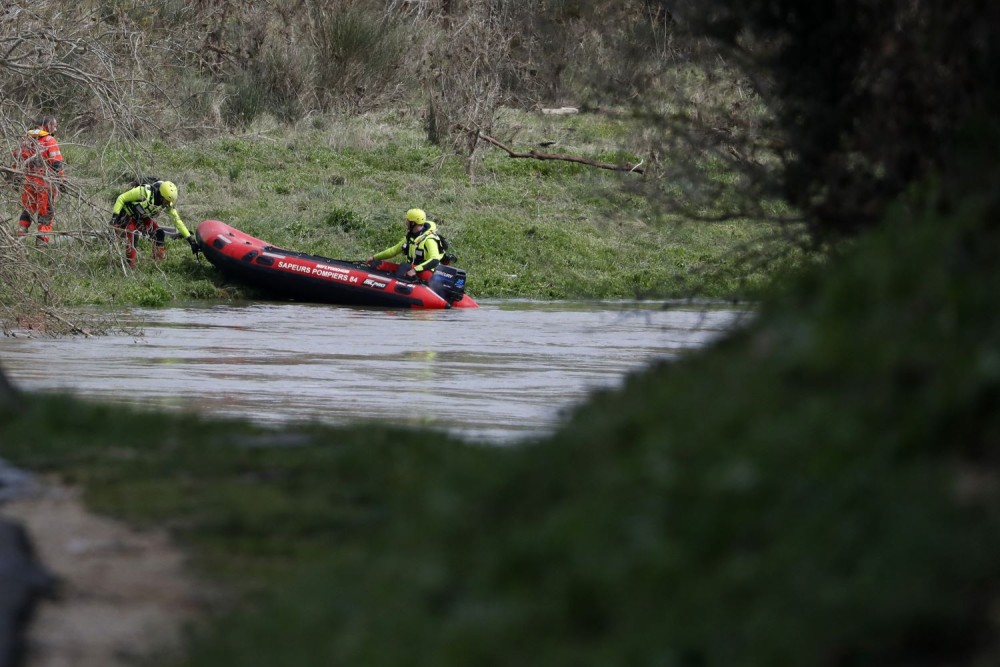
[116, 220]
[195, 248]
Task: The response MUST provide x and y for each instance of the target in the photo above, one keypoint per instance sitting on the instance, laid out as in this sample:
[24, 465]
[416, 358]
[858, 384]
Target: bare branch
[535, 155]
[103, 75]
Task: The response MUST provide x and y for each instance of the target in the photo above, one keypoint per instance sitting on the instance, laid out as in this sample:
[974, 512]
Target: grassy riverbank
[824, 485]
[338, 187]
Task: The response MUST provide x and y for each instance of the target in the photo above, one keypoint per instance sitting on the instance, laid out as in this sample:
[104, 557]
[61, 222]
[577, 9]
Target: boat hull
[303, 277]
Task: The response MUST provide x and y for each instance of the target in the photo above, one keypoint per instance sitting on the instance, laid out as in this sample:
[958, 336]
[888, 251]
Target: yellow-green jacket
[141, 202]
[422, 249]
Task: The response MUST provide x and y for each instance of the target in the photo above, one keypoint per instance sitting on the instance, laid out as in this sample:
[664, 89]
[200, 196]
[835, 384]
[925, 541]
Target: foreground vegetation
[823, 489]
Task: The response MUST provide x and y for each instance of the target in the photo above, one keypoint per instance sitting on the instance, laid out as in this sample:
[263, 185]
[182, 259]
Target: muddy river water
[503, 373]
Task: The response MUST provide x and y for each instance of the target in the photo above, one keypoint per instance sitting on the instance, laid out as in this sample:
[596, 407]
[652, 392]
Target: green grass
[338, 187]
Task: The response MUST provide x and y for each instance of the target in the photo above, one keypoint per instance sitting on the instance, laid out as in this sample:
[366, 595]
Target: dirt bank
[124, 593]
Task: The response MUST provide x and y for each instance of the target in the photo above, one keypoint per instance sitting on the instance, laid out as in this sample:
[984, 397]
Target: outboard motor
[448, 282]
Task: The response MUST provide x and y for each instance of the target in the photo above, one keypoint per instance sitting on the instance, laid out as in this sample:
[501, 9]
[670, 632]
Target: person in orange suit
[40, 161]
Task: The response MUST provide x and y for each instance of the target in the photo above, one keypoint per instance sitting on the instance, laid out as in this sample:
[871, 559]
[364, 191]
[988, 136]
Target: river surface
[503, 373]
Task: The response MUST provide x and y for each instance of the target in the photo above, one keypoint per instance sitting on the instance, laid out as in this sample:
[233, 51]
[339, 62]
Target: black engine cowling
[449, 282]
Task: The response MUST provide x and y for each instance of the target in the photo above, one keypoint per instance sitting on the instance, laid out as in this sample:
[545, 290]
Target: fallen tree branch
[635, 168]
[73, 328]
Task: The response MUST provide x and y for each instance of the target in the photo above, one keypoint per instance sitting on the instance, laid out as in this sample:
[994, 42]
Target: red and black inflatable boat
[303, 277]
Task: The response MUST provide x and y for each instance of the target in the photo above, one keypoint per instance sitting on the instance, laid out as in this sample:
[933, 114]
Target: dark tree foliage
[869, 95]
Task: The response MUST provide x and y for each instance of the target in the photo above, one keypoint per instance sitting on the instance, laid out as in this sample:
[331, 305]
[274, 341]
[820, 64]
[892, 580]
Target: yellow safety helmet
[168, 191]
[416, 216]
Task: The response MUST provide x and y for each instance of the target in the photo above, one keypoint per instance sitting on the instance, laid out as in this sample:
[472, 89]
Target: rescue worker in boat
[420, 247]
[133, 214]
[40, 160]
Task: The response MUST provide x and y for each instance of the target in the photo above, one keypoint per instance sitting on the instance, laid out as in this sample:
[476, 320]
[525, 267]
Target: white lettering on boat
[337, 269]
[331, 273]
[322, 271]
[294, 267]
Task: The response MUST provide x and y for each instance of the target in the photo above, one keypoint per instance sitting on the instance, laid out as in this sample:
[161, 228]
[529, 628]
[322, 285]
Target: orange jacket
[39, 157]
